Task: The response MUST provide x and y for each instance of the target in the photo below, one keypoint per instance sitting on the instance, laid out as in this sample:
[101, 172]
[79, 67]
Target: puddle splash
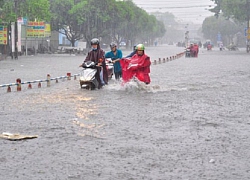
[133, 86]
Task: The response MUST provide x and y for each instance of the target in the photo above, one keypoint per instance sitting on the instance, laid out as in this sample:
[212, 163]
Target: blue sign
[219, 37]
[25, 20]
[245, 32]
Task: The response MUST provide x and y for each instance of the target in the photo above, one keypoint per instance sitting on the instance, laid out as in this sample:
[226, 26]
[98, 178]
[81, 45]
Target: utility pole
[186, 35]
[15, 33]
[186, 38]
[248, 26]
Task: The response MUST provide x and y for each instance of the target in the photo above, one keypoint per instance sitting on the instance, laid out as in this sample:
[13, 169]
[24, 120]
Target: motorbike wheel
[87, 86]
[248, 48]
[92, 86]
[81, 84]
[110, 76]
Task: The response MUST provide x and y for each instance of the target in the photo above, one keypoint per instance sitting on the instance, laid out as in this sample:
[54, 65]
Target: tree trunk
[73, 42]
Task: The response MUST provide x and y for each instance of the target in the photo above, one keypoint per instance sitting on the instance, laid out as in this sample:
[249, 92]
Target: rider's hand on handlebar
[115, 60]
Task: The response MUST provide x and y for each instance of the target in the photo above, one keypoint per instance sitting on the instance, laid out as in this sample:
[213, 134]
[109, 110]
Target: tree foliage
[109, 20]
[32, 9]
[237, 9]
[67, 17]
[227, 28]
[217, 9]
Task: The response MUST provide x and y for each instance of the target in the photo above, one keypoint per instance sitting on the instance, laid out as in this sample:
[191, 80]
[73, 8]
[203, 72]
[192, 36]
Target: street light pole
[15, 32]
[186, 35]
[248, 26]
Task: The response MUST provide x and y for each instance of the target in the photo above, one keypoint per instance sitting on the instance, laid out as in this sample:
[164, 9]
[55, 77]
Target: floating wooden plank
[16, 137]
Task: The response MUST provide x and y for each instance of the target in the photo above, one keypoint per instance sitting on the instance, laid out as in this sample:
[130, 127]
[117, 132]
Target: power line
[194, 10]
[176, 7]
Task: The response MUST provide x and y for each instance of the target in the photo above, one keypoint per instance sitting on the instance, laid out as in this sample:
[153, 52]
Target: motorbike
[188, 53]
[88, 76]
[209, 47]
[232, 48]
[110, 68]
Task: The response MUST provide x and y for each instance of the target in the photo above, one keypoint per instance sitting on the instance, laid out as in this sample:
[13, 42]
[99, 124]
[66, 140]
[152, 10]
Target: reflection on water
[86, 121]
[64, 103]
[91, 130]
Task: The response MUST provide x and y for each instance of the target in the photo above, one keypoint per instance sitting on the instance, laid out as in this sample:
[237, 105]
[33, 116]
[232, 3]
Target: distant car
[122, 44]
[105, 46]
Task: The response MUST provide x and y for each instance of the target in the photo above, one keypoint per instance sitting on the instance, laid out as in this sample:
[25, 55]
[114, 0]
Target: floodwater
[190, 123]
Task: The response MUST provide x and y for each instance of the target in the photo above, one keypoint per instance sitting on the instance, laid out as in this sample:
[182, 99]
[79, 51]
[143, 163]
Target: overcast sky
[184, 10]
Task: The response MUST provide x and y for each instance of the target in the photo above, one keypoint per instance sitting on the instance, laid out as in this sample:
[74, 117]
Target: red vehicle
[209, 47]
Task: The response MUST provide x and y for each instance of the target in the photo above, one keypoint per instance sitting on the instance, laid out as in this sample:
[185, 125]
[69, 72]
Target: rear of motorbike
[88, 76]
[188, 53]
[110, 68]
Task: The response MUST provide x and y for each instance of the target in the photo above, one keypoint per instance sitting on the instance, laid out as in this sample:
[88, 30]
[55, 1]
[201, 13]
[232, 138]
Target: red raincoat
[138, 66]
[196, 50]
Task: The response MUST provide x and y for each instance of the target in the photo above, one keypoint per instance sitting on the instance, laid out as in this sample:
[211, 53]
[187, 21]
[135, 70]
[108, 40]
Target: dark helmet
[113, 45]
[134, 47]
[95, 41]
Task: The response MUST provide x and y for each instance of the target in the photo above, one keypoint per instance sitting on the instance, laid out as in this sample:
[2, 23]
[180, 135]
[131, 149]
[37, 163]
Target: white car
[122, 44]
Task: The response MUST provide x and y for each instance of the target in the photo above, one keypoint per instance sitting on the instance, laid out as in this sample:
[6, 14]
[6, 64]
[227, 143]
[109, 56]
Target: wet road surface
[190, 123]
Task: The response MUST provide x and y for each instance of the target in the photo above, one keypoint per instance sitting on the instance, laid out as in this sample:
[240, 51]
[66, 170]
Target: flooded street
[190, 123]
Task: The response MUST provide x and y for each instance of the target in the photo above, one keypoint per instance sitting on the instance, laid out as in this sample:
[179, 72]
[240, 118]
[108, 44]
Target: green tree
[217, 9]
[1, 10]
[236, 9]
[111, 19]
[128, 22]
[227, 28]
[137, 25]
[32, 9]
[97, 14]
[68, 18]
[121, 23]
[38, 10]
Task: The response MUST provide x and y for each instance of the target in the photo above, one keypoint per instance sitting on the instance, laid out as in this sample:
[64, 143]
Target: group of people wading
[137, 64]
[193, 50]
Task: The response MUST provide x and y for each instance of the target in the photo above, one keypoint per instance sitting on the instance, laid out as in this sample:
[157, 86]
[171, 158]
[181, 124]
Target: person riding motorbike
[115, 55]
[132, 53]
[138, 65]
[195, 50]
[221, 46]
[97, 55]
[191, 50]
[209, 46]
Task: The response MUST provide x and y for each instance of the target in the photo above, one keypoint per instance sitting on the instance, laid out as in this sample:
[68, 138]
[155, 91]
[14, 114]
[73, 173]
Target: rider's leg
[101, 77]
